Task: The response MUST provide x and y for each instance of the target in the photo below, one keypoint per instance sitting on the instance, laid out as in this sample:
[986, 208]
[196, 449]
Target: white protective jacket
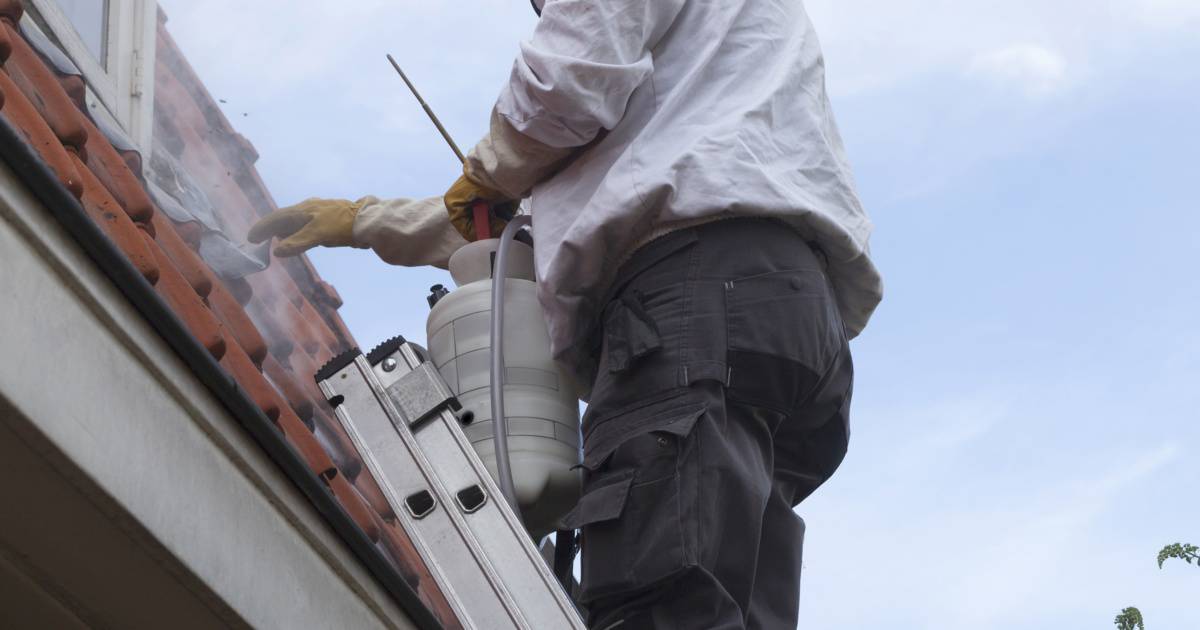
[674, 112]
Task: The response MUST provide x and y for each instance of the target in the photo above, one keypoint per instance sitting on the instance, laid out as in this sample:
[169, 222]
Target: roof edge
[67, 210]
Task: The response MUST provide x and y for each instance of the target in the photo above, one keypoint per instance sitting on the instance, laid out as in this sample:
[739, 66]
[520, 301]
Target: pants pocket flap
[604, 503]
[607, 435]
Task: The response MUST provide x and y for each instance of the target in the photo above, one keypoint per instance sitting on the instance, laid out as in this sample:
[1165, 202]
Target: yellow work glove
[460, 201]
[312, 222]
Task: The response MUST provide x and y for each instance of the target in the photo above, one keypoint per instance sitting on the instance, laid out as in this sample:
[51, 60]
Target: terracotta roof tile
[249, 153]
[187, 305]
[40, 85]
[304, 366]
[337, 443]
[105, 211]
[190, 232]
[272, 286]
[306, 444]
[186, 261]
[251, 380]
[319, 328]
[325, 295]
[322, 295]
[25, 117]
[11, 10]
[75, 88]
[369, 489]
[398, 547]
[110, 167]
[307, 337]
[285, 381]
[199, 148]
[132, 159]
[239, 288]
[355, 505]
[238, 323]
[251, 182]
[6, 45]
[278, 338]
[346, 339]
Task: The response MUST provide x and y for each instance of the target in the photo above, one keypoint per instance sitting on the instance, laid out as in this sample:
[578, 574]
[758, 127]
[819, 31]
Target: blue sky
[1026, 413]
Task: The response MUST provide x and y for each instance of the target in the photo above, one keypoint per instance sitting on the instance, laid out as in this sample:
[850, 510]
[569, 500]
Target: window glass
[90, 19]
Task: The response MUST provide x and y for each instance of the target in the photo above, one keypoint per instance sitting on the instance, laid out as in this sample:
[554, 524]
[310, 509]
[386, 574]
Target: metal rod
[432, 116]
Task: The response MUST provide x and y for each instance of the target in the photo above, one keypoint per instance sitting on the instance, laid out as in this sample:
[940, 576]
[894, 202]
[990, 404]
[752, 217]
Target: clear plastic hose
[499, 421]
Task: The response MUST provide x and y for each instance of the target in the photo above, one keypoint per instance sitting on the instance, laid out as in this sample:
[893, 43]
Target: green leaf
[1180, 551]
[1130, 619]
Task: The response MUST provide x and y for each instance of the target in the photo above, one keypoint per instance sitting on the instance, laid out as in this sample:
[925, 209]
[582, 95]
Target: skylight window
[90, 19]
[111, 44]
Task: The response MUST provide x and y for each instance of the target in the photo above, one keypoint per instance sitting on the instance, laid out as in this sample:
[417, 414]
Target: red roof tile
[188, 306]
[75, 88]
[256, 386]
[11, 10]
[278, 337]
[107, 213]
[306, 444]
[29, 73]
[355, 505]
[6, 45]
[190, 232]
[238, 323]
[285, 380]
[186, 261]
[370, 491]
[111, 170]
[25, 117]
[238, 287]
[337, 443]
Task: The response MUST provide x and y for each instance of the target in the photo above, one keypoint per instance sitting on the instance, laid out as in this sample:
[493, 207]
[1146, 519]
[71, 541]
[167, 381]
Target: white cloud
[1027, 68]
[873, 45]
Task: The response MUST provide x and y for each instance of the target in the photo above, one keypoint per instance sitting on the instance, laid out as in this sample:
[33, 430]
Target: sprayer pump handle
[483, 220]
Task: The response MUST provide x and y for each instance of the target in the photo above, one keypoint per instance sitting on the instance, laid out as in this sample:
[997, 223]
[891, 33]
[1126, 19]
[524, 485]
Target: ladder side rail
[442, 538]
[508, 543]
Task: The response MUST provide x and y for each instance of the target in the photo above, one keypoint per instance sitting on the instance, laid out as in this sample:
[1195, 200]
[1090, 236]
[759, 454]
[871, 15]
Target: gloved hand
[460, 204]
[312, 222]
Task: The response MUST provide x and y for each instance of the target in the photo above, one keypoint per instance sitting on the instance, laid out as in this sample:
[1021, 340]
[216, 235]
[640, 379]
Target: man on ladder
[702, 262]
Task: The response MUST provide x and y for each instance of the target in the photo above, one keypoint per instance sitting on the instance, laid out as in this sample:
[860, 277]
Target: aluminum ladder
[400, 414]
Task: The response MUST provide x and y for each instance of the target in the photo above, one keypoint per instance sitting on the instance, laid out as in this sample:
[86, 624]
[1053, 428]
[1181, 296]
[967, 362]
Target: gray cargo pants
[721, 401]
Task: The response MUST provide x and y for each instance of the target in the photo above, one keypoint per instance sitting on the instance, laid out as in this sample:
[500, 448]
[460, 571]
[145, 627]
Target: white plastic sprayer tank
[540, 402]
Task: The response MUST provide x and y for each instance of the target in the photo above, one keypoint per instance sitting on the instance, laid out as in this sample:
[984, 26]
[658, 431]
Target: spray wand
[481, 210]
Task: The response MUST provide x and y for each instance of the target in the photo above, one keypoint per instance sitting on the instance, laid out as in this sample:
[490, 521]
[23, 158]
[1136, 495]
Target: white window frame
[124, 83]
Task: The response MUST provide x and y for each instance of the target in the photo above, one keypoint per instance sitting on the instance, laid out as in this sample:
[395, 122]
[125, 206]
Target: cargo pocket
[635, 498]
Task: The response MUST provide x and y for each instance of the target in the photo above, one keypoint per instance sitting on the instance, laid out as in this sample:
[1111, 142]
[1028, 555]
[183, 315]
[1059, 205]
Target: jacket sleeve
[408, 232]
[585, 59]
[511, 162]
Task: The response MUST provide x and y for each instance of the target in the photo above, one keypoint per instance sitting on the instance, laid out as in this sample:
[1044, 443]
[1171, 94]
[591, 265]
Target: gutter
[46, 188]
